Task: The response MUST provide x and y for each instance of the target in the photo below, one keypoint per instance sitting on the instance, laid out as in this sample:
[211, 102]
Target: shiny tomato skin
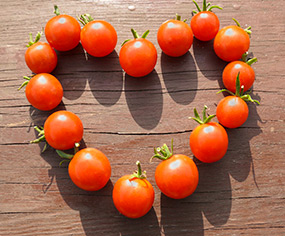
[89, 169]
[133, 197]
[175, 38]
[41, 58]
[63, 129]
[205, 25]
[138, 57]
[232, 111]
[246, 76]
[231, 43]
[63, 32]
[44, 91]
[177, 177]
[98, 38]
[209, 142]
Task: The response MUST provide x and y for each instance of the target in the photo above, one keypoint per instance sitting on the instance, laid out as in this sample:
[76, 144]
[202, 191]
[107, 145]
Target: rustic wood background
[243, 194]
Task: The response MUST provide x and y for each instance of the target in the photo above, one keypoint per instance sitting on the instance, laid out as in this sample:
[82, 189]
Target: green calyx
[85, 19]
[41, 134]
[240, 92]
[163, 153]
[56, 10]
[178, 17]
[247, 30]
[206, 119]
[136, 36]
[248, 61]
[139, 173]
[37, 38]
[206, 7]
[27, 78]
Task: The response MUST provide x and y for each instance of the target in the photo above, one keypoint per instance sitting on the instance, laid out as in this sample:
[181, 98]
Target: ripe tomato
[177, 175]
[232, 111]
[133, 195]
[40, 56]
[175, 37]
[62, 31]
[89, 169]
[231, 42]
[138, 56]
[205, 24]
[63, 129]
[98, 37]
[209, 140]
[43, 91]
[246, 75]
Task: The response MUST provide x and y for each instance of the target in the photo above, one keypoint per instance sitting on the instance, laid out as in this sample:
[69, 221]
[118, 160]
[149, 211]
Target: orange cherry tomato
[175, 37]
[62, 31]
[133, 195]
[209, 140]
[43, 91]
[98, 37]
[40, 57]
[63, 129]
[177, 175]
[89, 169]
[138, 56]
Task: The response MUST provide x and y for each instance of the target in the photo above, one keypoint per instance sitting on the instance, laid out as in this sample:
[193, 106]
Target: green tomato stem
[251, 61]
[205, 118]
[135, 34]
[56, 10]
[139, 173]
[37, 38]
[163, 153]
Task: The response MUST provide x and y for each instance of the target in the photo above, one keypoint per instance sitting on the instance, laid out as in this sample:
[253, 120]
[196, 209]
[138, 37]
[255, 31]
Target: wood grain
[243, 194]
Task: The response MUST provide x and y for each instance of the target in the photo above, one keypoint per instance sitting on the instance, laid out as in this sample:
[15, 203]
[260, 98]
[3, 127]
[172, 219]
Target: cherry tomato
[133, 195]
[177, 175]
[138, 56]
[205, 24]
[43, 91]
[62, 31]
[63, 129]
[231, 42]
[175, 37]
[209, 140]
[246, 76]
[40, 57]
[98, 37]
[89, 169]
[232, 111]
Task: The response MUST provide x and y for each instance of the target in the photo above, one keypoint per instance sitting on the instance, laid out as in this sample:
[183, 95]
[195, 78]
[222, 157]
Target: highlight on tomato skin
[209, 140]
[177, 175]
[62, 31]
[175, 37]
[133, 195]
[89, 169]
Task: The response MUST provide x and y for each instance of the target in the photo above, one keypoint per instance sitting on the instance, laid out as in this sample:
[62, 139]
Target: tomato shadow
[106, 79]
[210, 65]
[180, 77]
[144, 99]
[212, 199]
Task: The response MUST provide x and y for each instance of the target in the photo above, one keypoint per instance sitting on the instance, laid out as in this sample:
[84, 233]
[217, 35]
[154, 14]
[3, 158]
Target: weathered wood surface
[243, 194]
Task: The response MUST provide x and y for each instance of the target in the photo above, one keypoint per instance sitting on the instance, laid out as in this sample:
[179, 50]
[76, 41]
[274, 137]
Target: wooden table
[243, 194]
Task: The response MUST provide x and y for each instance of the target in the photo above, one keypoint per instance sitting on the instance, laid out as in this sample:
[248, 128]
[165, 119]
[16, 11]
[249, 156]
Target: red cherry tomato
[209, 140]
[89, 169]
[138, 56]
[177, 175]
[246, 76]
[63, 129]
[205, 24]
[98, 37]
[43, 91]
[40, 57]
[231, 43]
[175, 37]
[62, 32]
[232, 111]
[133, 195]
